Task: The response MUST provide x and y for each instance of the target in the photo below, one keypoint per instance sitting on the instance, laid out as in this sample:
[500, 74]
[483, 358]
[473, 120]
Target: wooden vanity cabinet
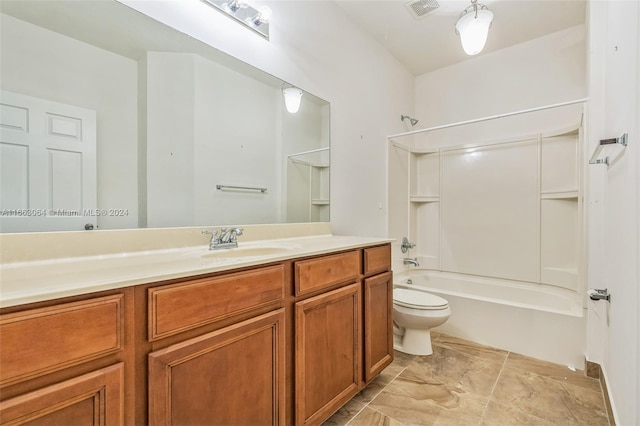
[283, 343]
[378, 310]
[225, 360]
[343, 336]
[233, 376]
[328, 353]
[64, 362]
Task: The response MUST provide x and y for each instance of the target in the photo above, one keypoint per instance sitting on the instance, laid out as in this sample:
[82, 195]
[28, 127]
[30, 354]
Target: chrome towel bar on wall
[622, 140]
[241, 188]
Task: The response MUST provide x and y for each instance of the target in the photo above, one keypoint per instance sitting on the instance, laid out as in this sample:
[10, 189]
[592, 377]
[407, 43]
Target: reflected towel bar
[622, 140]
[245, 188]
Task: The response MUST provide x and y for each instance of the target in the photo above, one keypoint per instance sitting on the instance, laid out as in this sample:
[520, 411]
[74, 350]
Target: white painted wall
[220, 128]
[170, 142]
[614, 214]
[41, 63]
[543, 71]
[237, 142]
[331, 58]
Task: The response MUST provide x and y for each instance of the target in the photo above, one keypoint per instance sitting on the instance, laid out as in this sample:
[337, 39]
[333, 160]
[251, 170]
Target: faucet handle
[214, 234]
[406, 245]
[235, 233]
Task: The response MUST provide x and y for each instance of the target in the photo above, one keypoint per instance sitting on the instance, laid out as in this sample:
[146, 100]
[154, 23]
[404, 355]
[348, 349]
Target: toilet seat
[418, 300]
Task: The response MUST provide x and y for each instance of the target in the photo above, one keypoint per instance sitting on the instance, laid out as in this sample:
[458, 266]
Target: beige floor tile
[346, 413]
[369, 417]
[458, 370]
[552, 371]
[549, 399]
[375, 387]
[464, 383]
[496, 414]
[470, 348]
[401, 359]
[414, 401]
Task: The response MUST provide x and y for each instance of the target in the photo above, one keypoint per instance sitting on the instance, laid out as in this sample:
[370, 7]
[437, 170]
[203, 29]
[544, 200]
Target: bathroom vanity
[277, 337]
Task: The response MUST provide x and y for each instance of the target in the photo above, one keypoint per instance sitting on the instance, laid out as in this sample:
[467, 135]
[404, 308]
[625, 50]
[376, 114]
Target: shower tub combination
[535, 320]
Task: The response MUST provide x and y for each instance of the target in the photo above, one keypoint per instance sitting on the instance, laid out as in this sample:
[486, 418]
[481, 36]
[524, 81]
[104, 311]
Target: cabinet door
[378, 324]
[232, 376]
[96, 398]
[328, 353]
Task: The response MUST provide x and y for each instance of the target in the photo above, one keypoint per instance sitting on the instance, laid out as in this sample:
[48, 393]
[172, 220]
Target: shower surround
[497, 221]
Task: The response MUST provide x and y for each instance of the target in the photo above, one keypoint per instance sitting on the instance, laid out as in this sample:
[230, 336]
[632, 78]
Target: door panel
[328, 353]
[47, 165]
[233, 376]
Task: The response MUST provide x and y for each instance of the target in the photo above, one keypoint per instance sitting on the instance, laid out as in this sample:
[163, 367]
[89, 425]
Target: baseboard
[593, 370]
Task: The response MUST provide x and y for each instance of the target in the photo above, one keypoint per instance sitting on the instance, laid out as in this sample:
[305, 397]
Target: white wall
[220, 128]
[543, 71]
[614, 215]
[33, 58]
[329, 57]
[170, 141]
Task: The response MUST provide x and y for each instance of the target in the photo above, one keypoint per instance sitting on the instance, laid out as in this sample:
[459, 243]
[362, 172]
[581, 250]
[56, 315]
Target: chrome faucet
[230, 236]
[224, 239]
[214, 238]
[410, 261]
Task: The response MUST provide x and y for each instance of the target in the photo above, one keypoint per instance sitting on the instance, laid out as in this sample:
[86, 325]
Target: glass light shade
[474, 30]
[292, 98]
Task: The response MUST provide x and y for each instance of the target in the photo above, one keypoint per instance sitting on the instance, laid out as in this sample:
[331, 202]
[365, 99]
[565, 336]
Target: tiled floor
[464, 383]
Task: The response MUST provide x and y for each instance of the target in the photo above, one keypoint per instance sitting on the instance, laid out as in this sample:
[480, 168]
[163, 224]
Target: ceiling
[428, 43]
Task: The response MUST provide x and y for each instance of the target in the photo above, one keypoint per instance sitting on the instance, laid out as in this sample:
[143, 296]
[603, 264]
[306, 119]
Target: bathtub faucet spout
[410, 261]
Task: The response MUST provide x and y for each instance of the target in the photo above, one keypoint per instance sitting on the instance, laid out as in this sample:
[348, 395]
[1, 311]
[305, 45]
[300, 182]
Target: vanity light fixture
[473, 27]
[257, 19]
[262, 17]
[292, 98]
[235, 5]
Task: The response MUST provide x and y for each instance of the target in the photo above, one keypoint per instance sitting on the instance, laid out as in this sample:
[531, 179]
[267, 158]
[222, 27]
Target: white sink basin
[253, 250]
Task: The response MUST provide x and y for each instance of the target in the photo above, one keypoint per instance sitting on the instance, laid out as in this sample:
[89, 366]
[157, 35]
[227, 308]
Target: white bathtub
[540, 321]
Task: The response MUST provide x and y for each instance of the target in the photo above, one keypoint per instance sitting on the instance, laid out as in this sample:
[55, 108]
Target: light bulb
[263, 16]
[235, 5]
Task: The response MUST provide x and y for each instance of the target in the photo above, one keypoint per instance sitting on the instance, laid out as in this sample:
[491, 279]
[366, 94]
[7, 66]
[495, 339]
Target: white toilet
[415, 313]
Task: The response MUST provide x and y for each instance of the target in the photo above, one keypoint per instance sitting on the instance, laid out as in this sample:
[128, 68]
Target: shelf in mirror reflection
[424, 198]
[559, 195]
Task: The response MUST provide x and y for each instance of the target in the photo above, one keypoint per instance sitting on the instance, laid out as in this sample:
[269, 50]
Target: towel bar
[622, 140]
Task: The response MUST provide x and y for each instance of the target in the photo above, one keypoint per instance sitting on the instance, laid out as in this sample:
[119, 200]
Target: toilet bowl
[415, 313]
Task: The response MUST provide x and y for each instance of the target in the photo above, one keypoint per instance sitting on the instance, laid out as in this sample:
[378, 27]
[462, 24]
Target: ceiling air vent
[420, 8]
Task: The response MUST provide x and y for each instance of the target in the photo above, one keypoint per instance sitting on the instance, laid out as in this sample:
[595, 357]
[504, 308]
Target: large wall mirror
[112, 120]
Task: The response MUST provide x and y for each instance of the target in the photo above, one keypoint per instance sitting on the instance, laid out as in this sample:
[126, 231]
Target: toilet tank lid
[417, 299]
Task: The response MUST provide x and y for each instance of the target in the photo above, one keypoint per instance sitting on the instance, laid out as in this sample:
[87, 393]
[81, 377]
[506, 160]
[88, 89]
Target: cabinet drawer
[39, 341]
[323, 272]
[91, 399]
[377, 259]
[184, 306]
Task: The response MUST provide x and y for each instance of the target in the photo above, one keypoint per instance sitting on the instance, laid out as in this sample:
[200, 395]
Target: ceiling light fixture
[473, 27]
[292, 98]
[242, 11]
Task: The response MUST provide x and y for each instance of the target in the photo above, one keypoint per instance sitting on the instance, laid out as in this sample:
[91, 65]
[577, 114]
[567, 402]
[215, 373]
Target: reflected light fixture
[262, 17]
[292, 98]
[473, 27]
[257, 19]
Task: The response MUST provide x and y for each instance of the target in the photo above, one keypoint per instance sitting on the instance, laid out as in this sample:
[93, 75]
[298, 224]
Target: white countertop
[34, 281]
